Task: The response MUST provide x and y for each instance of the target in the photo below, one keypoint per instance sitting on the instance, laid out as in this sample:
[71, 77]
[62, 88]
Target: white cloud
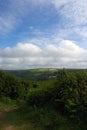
[12, 15]
[27, 55]
[15, 12]
[7, 23]
[81, 31]
[21, 50]
[73, 11]
[49, 50]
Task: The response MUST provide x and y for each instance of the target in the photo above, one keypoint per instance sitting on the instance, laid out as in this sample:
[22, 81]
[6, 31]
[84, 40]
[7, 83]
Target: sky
[43, 34]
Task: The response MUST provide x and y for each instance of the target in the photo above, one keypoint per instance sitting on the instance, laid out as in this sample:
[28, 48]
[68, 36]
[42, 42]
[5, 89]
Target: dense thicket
[67, 93]
[13, 87]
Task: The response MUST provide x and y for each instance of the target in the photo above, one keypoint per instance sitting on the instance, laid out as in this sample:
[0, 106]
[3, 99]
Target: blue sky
[43, 33]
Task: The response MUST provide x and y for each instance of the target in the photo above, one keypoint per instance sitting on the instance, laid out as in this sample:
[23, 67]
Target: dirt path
[9, 109]
[10, 127]
[7, 126]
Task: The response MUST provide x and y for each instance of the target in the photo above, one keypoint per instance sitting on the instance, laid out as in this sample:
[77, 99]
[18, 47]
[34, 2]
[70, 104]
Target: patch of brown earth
[10, 128]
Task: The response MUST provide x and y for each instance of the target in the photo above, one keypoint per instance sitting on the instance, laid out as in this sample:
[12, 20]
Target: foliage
[34, 118]
[66, 94]
[13, 87]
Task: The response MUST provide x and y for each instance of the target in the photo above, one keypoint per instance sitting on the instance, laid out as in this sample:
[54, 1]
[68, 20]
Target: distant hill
[40, 73]
[34, 74]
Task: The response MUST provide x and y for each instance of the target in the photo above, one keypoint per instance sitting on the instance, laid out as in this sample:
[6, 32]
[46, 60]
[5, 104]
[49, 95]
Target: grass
[33, 118]
[25, 117]
[44, 70]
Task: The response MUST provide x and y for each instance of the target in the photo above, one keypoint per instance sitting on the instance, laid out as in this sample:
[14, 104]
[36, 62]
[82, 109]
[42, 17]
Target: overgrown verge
[49, 104]
[68, 95]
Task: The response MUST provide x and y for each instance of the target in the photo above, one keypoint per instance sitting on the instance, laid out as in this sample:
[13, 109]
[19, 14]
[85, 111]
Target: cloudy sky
[43, 33]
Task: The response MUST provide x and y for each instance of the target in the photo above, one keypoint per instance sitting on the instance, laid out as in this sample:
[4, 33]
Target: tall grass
[34, 118]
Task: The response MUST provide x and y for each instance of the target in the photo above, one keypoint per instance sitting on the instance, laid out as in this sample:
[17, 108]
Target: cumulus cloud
[27, 55]
[21, 50]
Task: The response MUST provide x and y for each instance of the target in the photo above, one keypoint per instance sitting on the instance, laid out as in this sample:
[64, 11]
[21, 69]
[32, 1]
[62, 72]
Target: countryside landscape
[43, 64]
[44, 103]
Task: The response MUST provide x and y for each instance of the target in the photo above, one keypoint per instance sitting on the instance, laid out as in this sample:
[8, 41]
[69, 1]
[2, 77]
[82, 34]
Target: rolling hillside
[40, 73]
[35, 74]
